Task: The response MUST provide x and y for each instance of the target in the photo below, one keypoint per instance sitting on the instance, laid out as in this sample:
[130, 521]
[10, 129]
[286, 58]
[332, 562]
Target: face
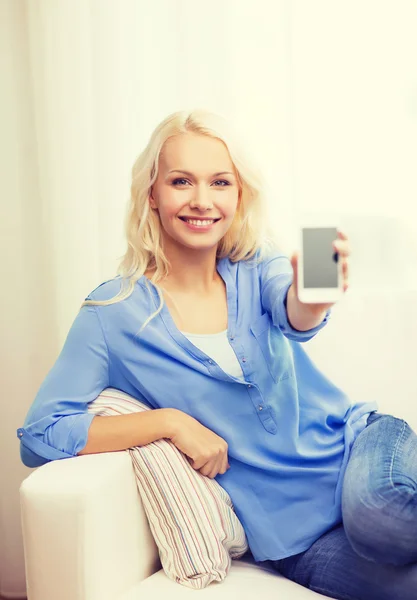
[196, 192]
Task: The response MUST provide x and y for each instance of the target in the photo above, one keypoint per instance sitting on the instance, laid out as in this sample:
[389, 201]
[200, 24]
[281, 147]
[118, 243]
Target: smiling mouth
[199, 222]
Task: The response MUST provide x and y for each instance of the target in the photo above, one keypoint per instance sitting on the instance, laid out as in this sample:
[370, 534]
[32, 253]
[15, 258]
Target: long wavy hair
[248, 234]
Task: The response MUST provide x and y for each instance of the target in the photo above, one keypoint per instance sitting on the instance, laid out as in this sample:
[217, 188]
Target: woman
[203, 324]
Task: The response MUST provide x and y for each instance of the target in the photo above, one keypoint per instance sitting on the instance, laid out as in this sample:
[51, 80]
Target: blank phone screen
[320, 268]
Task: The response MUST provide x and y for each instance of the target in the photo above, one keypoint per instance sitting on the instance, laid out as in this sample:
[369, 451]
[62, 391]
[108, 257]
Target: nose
[201, 200]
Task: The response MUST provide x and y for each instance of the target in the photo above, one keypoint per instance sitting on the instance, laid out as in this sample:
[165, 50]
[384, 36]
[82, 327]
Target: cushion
[191, 516]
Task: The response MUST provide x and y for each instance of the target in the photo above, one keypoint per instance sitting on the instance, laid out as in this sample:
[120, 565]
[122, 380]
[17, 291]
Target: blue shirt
[289, 429]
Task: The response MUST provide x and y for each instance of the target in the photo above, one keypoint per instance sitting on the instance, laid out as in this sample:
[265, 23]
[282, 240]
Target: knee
[382, 526]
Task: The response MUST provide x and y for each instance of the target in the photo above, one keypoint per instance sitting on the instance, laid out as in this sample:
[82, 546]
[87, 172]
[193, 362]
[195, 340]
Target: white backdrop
[324, 93]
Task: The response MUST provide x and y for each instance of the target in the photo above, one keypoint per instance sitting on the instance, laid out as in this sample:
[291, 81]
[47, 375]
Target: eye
[182, 181]
[223, 181]
[179, 181]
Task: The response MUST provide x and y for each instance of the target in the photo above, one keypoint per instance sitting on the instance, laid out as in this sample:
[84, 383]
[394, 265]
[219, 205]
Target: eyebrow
[191, 175]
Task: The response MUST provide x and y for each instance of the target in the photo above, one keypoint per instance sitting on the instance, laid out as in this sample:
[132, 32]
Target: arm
[277, 296]
[301, 316]
[58, 424]
[112, 433]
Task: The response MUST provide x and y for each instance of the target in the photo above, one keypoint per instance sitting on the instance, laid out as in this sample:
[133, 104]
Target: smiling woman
[220, 362]
[203, 202]
[196, 198]
[195, 212]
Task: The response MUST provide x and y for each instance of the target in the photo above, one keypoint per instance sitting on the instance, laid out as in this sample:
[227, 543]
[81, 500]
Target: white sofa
[86, 537]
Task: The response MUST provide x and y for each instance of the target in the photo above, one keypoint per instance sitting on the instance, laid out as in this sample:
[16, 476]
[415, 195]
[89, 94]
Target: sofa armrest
[85, 532]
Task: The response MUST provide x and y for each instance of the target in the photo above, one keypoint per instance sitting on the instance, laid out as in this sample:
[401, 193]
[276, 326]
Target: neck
[192, 271]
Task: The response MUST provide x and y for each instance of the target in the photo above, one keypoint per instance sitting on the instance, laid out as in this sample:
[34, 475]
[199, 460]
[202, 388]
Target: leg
[379, 497]
[332, 568]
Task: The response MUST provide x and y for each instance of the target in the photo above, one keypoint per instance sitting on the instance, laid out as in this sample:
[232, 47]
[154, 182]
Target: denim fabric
[372, 553]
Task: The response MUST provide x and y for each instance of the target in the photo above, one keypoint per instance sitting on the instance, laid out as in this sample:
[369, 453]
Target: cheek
[232, 204]
[170, 204]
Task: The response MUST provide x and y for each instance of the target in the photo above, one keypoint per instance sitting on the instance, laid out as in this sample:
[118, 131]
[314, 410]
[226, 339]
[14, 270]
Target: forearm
[301, 316]
[109, 434]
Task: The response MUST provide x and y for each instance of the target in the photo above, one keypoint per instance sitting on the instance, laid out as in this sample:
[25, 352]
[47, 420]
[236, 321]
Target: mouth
[199, 223]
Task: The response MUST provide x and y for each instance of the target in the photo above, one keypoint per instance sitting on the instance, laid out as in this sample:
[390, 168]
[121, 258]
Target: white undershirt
[217, 346]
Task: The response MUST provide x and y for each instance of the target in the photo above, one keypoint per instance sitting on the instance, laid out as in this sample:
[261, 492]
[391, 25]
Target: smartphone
[319, 267]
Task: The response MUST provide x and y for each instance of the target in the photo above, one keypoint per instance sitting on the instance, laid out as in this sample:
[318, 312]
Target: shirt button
[20, 434]
[260, 407]
[231, 339]
[210, 361]
[243, 359]
[249, 386]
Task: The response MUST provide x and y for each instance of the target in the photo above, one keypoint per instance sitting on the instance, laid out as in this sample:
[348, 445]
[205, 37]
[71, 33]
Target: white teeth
[199, 223]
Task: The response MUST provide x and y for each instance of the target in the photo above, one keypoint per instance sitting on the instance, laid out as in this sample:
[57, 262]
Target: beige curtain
[324, 93]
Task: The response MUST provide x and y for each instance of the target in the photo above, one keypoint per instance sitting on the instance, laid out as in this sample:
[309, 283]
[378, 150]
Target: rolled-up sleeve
[276, 277]
[57, 423]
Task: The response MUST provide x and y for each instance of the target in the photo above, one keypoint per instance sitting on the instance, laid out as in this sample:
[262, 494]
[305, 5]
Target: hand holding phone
[321, 267]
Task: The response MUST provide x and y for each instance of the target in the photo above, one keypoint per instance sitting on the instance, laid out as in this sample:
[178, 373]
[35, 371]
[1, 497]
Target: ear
[152, 200]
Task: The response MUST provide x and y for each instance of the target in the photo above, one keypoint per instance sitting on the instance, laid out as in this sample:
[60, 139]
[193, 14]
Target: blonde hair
[247, 235]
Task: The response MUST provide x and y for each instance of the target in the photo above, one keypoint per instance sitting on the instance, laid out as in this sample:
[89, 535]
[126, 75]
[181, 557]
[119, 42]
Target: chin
[199, 246]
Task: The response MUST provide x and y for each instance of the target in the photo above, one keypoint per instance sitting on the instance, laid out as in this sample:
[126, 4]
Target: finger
[294, 261]
[343, 248]
[197, 464]
[341, 235]
[345, 274]
[224, 465]
[211, 468]
[190, 460]
[206, 469]
[294, 264]
[217, 468]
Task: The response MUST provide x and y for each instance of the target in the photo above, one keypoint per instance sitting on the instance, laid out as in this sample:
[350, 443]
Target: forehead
[192, 152]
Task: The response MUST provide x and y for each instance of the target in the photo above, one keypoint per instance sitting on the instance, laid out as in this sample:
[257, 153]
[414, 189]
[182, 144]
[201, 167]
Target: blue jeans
[372, 553]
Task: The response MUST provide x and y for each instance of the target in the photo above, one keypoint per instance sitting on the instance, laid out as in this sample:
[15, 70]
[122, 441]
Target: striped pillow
[191, 516]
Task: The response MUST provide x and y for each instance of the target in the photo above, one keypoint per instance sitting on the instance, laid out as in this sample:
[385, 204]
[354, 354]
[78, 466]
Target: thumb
[294, 264]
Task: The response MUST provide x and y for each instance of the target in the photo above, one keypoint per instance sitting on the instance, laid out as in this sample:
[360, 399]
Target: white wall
[28, 341]
[354, 103]
[326, 94]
